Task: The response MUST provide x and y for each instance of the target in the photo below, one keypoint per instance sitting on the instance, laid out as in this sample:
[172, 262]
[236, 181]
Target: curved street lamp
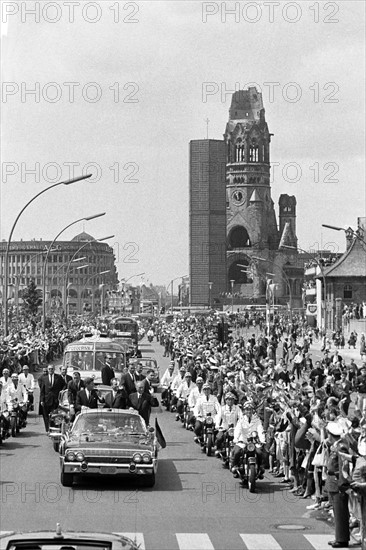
[88, 218]
[6, 259]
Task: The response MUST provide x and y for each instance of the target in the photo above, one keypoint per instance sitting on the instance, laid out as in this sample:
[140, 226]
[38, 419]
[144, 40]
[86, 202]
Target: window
[347, 292]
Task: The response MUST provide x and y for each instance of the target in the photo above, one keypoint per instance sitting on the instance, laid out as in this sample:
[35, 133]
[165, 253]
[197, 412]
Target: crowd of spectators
[314, 415]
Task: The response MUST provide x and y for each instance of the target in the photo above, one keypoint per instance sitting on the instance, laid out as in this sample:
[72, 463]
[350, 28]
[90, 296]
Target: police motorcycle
[150, 335]
[248, 463]
[4, 425]
[208, 435]
[228, 447]
[186, 416]
[17, 412]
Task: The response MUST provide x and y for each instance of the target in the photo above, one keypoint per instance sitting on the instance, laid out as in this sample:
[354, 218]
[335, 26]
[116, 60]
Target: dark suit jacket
[49, 394]
[68, 379]
[119, 402]
[143, 406]
[107, 375]
[139, 377]
[83, 401]
[128, 383]
[72, 390]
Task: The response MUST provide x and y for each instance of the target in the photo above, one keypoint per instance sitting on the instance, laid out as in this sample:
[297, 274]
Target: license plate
[108, 470]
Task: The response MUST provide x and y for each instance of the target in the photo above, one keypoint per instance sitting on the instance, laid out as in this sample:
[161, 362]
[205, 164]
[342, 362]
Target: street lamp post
[92, 277]
[346, 230]
[88, 218]
[323, 277]
[232, 281]
[209, 293]
[6, 259]
[125, 281]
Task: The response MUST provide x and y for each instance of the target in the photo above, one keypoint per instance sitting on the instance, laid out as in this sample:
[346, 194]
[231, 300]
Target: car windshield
[103, 422]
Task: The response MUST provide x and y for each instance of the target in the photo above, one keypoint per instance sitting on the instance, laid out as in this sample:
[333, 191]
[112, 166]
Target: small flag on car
[159, 435]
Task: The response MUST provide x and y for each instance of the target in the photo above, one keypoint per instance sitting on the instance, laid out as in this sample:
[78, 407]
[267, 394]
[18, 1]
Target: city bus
[88, 356]
[125, 328]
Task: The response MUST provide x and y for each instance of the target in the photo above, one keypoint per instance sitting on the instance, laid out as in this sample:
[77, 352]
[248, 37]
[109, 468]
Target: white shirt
[194, 396]
[27, 381]
[228, 415]
[177, 382]
[5, 382]
[18, 393]
[244, 428]
[184, 390]
[167, 379]
[205, 406]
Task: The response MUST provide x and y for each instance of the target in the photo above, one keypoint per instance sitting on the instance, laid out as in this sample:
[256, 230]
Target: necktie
[51, 380]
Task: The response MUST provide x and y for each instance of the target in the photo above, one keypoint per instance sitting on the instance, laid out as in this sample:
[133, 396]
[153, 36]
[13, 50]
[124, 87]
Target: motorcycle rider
[4, 409]
[229, 414]
[247, 424]
[27, 379]
[16, 392]
[206, 404]
[183, 391]
[5, 379]
[179, 378]
[150, 334]
[166, 382]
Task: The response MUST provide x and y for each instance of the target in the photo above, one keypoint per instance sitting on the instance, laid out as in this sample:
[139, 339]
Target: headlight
[79, 456]
[230, 432]
[209, 420]
[251, 447]
[146, 458]
[70, 456]
[137, 457]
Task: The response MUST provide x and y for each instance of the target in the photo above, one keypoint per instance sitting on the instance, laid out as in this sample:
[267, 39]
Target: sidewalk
[345, 353]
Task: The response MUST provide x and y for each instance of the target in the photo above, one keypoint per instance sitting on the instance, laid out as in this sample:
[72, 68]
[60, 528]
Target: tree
[31, 299]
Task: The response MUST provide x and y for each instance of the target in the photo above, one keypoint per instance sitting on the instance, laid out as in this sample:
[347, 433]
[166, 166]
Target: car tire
[252, 478]
[56, 446]
[209, 445]
[66, 479]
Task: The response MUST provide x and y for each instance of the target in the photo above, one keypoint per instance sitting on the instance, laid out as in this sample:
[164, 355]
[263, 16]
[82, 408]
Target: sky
[120, 88]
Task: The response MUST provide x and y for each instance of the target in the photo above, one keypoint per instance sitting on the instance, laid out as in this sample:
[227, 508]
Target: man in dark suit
[107, 371]
[66, 377]
[118, 397]
[73, 388]
[148, 380]
[128, 380]
[141, 401]
[51, 386]
[138, 374]
[88, 396]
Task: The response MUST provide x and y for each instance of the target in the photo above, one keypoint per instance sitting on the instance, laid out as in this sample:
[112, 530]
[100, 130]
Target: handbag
[320, 458]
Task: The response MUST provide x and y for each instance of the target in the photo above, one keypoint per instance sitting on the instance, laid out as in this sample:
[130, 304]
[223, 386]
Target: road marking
[319, 542]
[138, 538]
[260, 542]
[194, 541]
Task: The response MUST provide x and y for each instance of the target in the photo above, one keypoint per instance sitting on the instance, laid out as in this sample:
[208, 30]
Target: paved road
[195, 504]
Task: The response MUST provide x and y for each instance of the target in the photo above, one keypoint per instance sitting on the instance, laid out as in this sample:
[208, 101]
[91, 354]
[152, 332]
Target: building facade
[80, 288]
[207, 220]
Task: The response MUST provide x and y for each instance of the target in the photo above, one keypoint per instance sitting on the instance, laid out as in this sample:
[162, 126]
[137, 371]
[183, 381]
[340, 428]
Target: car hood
[122, 443]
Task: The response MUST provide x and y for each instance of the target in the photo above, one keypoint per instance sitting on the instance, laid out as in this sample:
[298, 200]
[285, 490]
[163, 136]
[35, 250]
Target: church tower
[251, 218]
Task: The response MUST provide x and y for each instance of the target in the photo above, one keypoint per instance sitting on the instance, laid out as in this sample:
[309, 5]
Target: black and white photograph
[182, 275]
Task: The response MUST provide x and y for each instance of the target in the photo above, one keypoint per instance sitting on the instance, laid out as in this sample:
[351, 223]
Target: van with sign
[89, 355]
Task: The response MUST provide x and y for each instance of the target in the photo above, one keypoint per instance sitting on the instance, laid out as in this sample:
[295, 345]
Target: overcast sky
[140, 71]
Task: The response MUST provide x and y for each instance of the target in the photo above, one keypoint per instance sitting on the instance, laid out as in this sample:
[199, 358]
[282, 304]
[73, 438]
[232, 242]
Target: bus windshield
[83, 360]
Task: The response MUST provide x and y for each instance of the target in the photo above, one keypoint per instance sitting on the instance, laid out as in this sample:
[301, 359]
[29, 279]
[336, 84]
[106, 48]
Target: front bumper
[100, 468]
[55, 434]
